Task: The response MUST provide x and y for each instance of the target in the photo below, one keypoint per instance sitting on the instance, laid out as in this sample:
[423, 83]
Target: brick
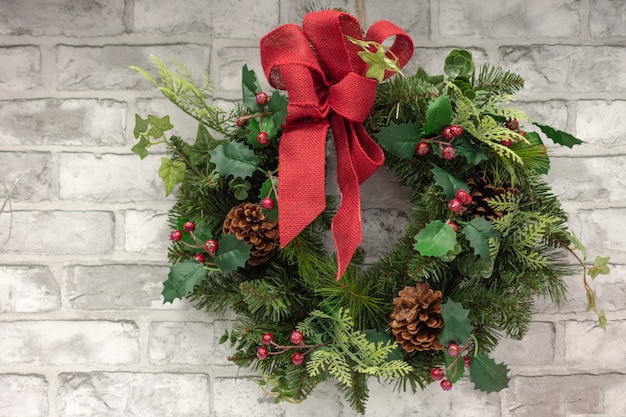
[113, 394]
[68, 342]
[190, 343]
[28, 289]
[62, 122]
[97, 177]
[81, 68]
[415, 24]
[599, 124]
[257, 18]
[511, 19]
[566, 68]
[23, 395]
[21, 68]
[223, 351]
[607, 18]
[602, 231]
[587, 345]
[115, 287]
[167, 17]
[537, 347]
[232, 59]
[62, 17]
[146, 231]
[34, 170]
[61, 232]
[551, 112]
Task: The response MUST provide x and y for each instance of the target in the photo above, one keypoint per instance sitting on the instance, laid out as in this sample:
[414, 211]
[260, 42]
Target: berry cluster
[438, 373]
[295, 337]
[263, 138]
[459, 203]
[210, 246]
[512, 124]
[448, 151]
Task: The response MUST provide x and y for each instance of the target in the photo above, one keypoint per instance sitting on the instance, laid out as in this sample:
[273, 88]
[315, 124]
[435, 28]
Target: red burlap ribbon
[325, 80]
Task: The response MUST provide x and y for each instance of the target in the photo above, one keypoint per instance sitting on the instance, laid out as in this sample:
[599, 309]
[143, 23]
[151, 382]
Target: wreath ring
[485, 234]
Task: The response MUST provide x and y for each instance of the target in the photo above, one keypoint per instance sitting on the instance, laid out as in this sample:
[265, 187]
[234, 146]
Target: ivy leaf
[448, 182]
[231, 253]
[172, 173]
[399, 139]
[577, 243]
[181, 280]
[438, 115]
[268, 191]
[250, 87]
[278, 106]
[478, 232]
[234, 158]
[558, 136]
[600, 267]
[456, 326]
[158, 126]
[141, 147]
[436, 239]
[473, 153]
[141, 126]
[487, 375]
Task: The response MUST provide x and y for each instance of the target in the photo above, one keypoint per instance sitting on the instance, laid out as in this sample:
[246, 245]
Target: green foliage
[183, 277]
[399, 139]
[487, 375]
[232, 253]
[172, 173]
[448, 182]
[478, 232]
[438, 115]
[234, 158]
[457, 327]
[436, 239]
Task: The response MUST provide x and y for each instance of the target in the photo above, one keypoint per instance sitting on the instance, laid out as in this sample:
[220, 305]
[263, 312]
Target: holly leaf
[250, 87]
[158, 126]
[232, 253]
[141, 147]
[487, 375]
[436, 239]
[278, 106]
[558, 136]
[181, 280]
[457, 328]
[268, 191]
[448, 182]
[399, 139]
[141, 126]
[600, 267]
[454, 367]
[478, 232]
[473, 153]
[234, 158]
[438, 115]
[172, 173]
[267, 125]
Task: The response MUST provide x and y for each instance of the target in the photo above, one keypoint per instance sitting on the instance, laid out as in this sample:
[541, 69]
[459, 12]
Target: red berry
[437, 374]
[446, 385]
[297, 358]
[242, 121]
[507, 142]
[199, 257]
[262, 353]
[454, 226]
[523, 133]
[456, 130]
[267, 339]
[447, 133]
[189, 227]
[210, 245]
[455, 205]
[263, 138]
[267, 203]
[464, 197]
[422, 149]
[295, 337]
[453, 349]
[466, 362]
[261, 98]
[176, 235]
[448, 152]
[512, 124]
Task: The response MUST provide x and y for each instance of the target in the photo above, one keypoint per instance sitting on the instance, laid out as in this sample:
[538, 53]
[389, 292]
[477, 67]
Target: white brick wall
[82, 328]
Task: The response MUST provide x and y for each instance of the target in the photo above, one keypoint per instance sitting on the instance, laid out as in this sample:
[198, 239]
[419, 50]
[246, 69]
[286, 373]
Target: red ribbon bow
[325, 80]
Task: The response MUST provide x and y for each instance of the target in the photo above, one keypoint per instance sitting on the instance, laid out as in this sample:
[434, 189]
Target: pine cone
[416, 318]
[482, 190]
[248, 223]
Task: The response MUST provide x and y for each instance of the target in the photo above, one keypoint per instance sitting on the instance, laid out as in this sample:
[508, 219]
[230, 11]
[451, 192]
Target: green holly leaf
[473, 153]
[457, 328]
[278, 106]
[600, 267]
[438, 115]
[436, 239]
[181, 280]
[454, 367]
[558, 136]
[158, 126]
[448, 182]
[459, 64]
[141, 147]
[141, 126]
[232, 253]
[399, 139]
[268, 191]
[234, 158]
[267, 125]
[250, 87]
[487, 375]
[478, 232]
[172, 173]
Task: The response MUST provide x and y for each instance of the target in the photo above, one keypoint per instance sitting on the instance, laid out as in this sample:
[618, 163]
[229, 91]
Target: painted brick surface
[83, 331]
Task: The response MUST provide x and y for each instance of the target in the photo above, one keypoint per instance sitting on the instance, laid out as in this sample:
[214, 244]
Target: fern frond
[497, 80]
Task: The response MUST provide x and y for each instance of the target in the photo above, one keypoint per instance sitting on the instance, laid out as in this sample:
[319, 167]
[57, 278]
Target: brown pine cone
[482, 190]
[248, 223]
[416, 320]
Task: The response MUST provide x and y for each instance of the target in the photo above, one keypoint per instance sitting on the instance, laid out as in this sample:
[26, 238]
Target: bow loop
[353, 88]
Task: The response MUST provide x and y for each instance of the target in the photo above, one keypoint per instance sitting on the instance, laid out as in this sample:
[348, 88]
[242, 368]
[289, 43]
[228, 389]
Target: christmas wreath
[486, 236]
